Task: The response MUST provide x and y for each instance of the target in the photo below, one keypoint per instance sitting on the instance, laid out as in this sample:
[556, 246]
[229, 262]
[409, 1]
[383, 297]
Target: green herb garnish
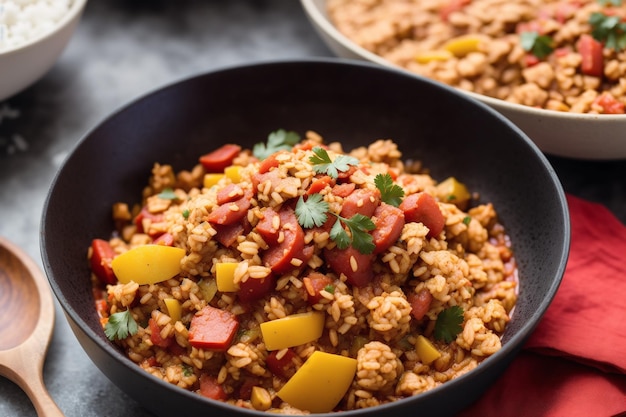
[390, 193]
[322, 164]
[280, 140]
[185, 214]
[167, 194]
[449, 324]
[609, 30]
[312, 212]
[467, 220]
[610, 2]
[358, 225]
[539, 45]
[330, 289]
[120, 325]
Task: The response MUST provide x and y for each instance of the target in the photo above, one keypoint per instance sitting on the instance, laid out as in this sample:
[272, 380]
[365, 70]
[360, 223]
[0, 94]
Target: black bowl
[354, 102]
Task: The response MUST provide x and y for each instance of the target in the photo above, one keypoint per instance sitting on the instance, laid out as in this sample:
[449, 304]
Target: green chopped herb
[186, 214]
[467, 220]
[449, 324]
[187, 371]
[312, 211]
[280, 140]
[390, 193]
[120, 325]
[322, 164]
[609, 30]
[330, 289]
[167, 194]
[539, 45]
[358, 225]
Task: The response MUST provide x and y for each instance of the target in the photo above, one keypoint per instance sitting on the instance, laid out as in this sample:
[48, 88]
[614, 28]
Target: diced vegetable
[452, 191]
[426, 351]
[233, 172]
[101, 256]
[225, 276]
[148, 264]
[463, 45]
[211, 179]
[420, 303]
[210, 388]
[430, 56]
[260, 399]
[174, 309]
[220, 158]
[208, 288]
[313, 284]
[320, 383]
[155, 335]
[591, 52]
[213, 328]
[609, 104]
[145, 217]
[282, 362]
[293, 330]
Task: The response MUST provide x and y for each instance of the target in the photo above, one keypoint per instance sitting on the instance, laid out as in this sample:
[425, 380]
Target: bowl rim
[74, 11]
[509, 349]
[321, 19]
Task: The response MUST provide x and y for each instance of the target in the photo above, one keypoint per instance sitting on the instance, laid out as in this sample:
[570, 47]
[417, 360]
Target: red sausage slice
[220, 158]
[212, 328]
[389, 221]
[423, 208]
[278, 257]
[232, 212]
[360, 201]
[356, 266]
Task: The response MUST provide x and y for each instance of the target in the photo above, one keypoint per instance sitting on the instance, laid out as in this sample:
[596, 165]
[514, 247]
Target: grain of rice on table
[379, 308]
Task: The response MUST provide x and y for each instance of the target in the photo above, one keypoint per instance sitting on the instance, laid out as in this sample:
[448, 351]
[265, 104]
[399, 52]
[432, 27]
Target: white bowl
[28, 62]
[571, 135]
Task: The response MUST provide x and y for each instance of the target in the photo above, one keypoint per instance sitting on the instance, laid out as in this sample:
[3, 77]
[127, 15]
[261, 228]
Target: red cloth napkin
[574, 364]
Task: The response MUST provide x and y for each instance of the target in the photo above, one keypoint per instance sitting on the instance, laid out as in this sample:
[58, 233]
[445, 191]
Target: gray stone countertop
[122, 50]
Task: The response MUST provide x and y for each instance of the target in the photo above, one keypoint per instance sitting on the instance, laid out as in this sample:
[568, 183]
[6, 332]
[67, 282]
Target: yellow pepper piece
[293, 330]
[234, 173]
[453, 191]
[148, 264]
[225, 276]
[208, 288]
[426, 351]
[320, 383]
[174, 309]
[463, 45]
[211, 179]
[430, 56]
[260, 399]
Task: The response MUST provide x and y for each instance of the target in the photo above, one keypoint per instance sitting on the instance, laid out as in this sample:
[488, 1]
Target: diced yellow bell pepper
[148, 264]
[211, 179]
[260, 399]
[320, 383]
[208, 288]
[430, 56]
[463, 45]
[174, 309]
[233, 172]
[426, 351]
[225, 276]
[453, 191]
[293, 330]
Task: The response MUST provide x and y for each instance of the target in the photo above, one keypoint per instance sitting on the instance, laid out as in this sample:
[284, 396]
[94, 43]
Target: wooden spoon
[26, 325]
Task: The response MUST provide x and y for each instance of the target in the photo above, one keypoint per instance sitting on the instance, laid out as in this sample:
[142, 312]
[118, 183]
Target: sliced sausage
[389, 221]
[357, 267]
[423, 208]
[362, 201]
[220, 158]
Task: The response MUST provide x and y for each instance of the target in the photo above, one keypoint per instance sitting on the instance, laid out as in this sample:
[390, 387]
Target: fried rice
[379, 317]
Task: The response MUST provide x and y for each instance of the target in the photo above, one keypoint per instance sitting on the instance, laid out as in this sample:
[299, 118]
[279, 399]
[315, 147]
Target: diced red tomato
[423, 208]
[609, 104]
[278, 257]
[268, 163]
[362, 201]
[283, 367]
[155, 335]
[102, 308]
[389, 221]
[146, 214]
[313, 284]
[420, 303]
[591, 52]
[101, 256]
[213, 328]
[165, 239]
[210, 388]
[530, 60]
[341, 262]
[220, 158]
[319, 184]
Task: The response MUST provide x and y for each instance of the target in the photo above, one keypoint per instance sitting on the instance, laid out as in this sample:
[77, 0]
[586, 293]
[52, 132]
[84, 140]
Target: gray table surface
[122, 50]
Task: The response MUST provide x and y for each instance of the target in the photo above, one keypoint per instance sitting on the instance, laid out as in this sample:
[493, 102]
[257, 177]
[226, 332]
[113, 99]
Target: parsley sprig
[449, 324]
[314, 212]
[539, 45]
[390, 193]
[322, 164]
[280, 140]
[609, 30]
[120, 325]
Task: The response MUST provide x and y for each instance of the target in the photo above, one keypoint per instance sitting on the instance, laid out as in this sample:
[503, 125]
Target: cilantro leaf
[358, 225]
[312, 211]
[539, 45]
[608, 29]
[322, 164]
[120, 325]
[167, 194]
[390, 193]
[449, 324]
[280, 140]
[610, 2]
